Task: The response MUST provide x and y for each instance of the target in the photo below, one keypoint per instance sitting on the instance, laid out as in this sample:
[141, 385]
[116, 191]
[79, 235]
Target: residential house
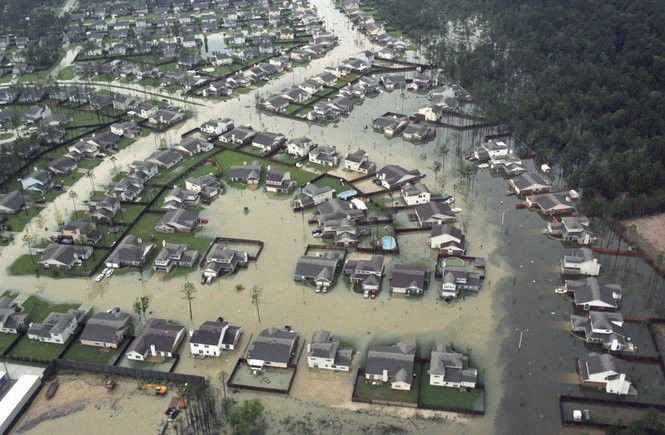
[451, 369]
[248, 174]
[312, 195]
[127, 129]
[207, 185]
[434, 213]
[320, 270]
[217, 127]
[529, 184]
[415, 132]
[589, 294]
[106, 329]
[393, 176]
[36, 113]
[358, 161]
[165, 158]
[603, 328]
[180, 198]
[174, 255]
[324, 155]
[272, 348]
[366, 275]
[81, 232]
[278, 182]
[12, 319]
[167, 117]
[56, 256]
[214, 337]
[392, 364]
[56, 328]
[607, 372]
[448, 239]
[324, 352]
[222, 260]
[300, 147]
[103, 208]
[572, 229]
[11, 203]
[190, 147]
[457, 278]
[491, 149]
[239, 135]
[551, 203]
[157, 338]
[417, 193]
[131, 251]
[390, 125]
[177, 221]
[268, 142]
[409, 279]
[38, 181]
[335, 209]
[128, 189]
[580, 262]
[62, 166]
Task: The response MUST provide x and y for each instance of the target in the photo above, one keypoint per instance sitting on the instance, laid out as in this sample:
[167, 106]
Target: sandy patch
[651, 229]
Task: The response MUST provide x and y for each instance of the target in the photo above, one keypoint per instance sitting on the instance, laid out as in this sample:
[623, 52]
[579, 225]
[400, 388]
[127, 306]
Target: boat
[52, 388]
[560, 290]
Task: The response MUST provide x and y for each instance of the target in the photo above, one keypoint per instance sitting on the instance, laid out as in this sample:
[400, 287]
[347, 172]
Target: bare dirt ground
[86, 393]
[651, 229]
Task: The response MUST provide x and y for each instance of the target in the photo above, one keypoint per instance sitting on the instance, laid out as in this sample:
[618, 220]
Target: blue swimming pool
[388, 242]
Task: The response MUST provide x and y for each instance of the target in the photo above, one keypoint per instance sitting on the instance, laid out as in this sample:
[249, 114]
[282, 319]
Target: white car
[99, 277]
[109, 272]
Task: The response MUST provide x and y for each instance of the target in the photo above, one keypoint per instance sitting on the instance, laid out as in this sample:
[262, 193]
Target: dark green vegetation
[580, 81]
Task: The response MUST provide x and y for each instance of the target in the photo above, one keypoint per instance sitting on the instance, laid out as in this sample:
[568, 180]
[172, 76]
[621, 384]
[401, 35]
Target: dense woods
[581, 81]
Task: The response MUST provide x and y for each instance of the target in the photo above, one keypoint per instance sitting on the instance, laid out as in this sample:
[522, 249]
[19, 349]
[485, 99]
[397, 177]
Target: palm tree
[91, 177]
[115, 169]
[188, 291]
[73, 195]
[255, 294]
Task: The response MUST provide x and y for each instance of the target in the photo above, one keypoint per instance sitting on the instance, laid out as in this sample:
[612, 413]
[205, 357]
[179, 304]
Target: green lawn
[6, 340]
[6, 135]
[145, 229]
[27, 265]
[333, 183]
[72, 178]
[168, 176]
[18, 221]
[67, 73]
[79, 352]
[128, 213]
[32, 349]
[89, 163]
[39, 309]
[227, 159]
[365, 390]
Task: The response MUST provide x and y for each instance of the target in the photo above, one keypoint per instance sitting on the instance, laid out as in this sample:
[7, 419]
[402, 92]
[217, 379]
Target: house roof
[406, 275]
[590, 291]
[159, 333]
[209, 333]
[397, 360]
[273, 345]
[106, 327]
[312, 267]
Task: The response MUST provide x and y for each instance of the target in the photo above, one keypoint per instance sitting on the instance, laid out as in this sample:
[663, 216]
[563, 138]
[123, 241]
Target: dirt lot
[651, 229]
[124, 408]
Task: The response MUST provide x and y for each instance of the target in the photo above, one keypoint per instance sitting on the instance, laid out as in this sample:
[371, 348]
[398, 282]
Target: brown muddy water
[522, 384]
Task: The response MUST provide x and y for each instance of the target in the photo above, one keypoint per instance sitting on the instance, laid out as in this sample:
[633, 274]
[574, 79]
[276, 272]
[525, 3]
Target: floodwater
[522, 384]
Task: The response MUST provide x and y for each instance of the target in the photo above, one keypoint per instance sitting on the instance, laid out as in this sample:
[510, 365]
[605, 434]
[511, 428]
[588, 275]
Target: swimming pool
[388, 242]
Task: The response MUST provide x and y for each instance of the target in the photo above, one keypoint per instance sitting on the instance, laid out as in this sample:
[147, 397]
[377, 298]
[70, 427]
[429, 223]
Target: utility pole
[522, 332]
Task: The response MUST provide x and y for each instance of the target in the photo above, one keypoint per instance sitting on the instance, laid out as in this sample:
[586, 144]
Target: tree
[255, 294]
[29, 239]
[240, 287]
[188, 292]
[248, 418]
[91, 177]
[73, 195]
[141, 305]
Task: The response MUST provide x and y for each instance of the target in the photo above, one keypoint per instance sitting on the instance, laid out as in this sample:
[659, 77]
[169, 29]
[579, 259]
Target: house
[181, 198]
[177, 221]
[268, 142]
[217, 127]
[324, 352]
[312, 195]
[143, 169]
[103, 208]
[81, 232]
[417, 193]
[131, 251]
[62, 166]
[57, 256]
[450, 369]
[56, 327]
[165, 158]
[336, 209]
[605, 371]
[167, 117]
[448, 239]
[105, 141]
[128, 189]
[222, 260]
[38, 181]
[323, 112]
[272, 348]
[589, 294]
[12, 319]
[551, 203]
[174, 255]
[393, 176]
[324, 155]
[106, 329]
[248, 173]
[358, 161]
[456, 278]
[157, 338]
[127, 129]
[366, 274]
[431, 113]
[346, 232]
[571, 229]
[529, 184]
[36, 113]
[409, 279]
[393, 364]
[239, 135]
[276, 103]
[580, 262]
[434, 213]
[320, 270]
[390, 125]
[190, 147]
[207, 185]
[214, 337]
[601, 328]
[11, 203]
[509, 165]
[491, 149]
[278, 182]
[415, 132]
[300, 147]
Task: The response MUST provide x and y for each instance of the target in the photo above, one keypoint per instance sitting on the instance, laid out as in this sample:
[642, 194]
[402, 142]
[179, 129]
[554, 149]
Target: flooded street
[522, 384]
